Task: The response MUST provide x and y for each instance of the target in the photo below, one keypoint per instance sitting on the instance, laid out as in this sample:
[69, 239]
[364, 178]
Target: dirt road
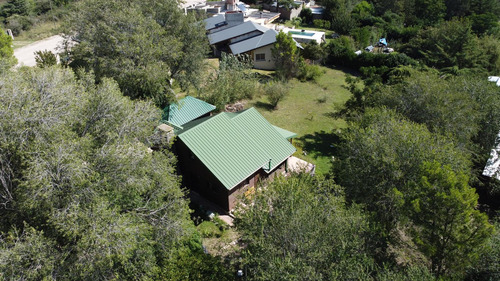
[26, 55]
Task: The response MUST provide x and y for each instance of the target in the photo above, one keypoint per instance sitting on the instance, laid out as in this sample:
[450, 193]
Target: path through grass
[308, 110]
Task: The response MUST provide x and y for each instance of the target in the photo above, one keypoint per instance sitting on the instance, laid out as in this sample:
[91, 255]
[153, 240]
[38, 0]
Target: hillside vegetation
[89, 189]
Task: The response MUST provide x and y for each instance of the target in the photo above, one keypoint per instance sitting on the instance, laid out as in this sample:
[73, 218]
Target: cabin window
[260, 57]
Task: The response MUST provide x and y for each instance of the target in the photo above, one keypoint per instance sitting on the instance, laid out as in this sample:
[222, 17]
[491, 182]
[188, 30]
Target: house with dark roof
[223, 21]
[221, 40]
[259, 48]
[223, 156]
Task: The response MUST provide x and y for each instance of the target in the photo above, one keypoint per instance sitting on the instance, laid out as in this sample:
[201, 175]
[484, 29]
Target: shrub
[306, 15]
[209, 229]
[222, 225]
[234, 81]
[309, 72]
[340, 51]
[45, 59]
[296, 21]
[275, 92]
[313, 51]
[18, 23]
[321, 24]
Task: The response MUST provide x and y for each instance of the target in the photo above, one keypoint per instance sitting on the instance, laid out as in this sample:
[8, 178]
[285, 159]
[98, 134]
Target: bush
[340, 51]
[309, 72]
[296, 22]
[306, 15]
[233, 81]
[209, 229]
[275, 92]
[222, 225]
[313, 51]
[42, 7]
[18, 23]
[45, 59]
[321, 24]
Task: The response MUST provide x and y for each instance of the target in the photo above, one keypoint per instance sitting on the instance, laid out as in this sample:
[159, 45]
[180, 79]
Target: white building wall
[268, 63]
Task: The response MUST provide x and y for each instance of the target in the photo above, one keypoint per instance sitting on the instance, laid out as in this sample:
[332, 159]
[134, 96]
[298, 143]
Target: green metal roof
[234, 146]
[185, 110]
[265, 135]
[285, 133]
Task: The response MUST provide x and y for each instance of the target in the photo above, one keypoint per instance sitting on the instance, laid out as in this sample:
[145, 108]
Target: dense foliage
[6, 52]
[82, 197]
[298, 229]
[414, 184]
[146, 46]
[231, 82]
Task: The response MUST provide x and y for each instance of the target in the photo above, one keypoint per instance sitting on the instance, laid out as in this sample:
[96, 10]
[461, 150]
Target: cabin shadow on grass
[319, 143]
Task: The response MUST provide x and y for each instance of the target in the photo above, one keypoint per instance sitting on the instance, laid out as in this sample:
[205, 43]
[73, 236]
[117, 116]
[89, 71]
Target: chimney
[234, 18]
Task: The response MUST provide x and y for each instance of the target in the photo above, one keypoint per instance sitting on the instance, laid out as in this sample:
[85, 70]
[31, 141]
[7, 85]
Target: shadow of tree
[319, 143]
[264, 106]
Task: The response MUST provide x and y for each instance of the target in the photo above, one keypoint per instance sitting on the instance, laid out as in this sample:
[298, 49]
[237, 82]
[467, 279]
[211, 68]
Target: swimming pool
[310, 34]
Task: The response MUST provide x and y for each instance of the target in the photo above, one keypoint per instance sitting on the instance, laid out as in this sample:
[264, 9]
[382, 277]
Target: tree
[484, 23]
[7, 58]
[464, 108]
[306, 15]
[300, 229]
[380, 154]
[488, 265]
[451, 44]
[82, 197]
[285, 55]
[19, 7]
[45, 59]
[143, 45]
[231, 82]
[448, 228]
[338, 12]
[447, 107]
[430, 12]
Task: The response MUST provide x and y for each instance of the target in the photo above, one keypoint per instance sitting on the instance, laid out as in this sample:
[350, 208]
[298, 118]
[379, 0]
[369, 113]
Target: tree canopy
[82, 197]
[298, 229]
[146, 46]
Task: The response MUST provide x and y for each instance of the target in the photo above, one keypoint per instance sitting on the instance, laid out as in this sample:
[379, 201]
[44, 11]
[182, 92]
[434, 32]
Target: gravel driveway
[26, 55]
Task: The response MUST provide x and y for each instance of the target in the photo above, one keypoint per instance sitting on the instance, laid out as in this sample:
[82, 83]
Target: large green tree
[301, 229]
[449, 229]
[459, 107]
[144, 45]
[465, 108]
[286, 56]
[452, 44]
[381, 153]
[380, 162]
[82, 197]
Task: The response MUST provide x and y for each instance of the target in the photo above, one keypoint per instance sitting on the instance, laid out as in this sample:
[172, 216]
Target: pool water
[302, 33]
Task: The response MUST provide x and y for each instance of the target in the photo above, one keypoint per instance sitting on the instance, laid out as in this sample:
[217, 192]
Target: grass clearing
[39, 31]
[308, 110]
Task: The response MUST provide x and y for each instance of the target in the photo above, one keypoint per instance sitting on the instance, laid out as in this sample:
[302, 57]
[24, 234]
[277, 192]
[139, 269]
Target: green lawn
[308, 111]
[39, 31]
